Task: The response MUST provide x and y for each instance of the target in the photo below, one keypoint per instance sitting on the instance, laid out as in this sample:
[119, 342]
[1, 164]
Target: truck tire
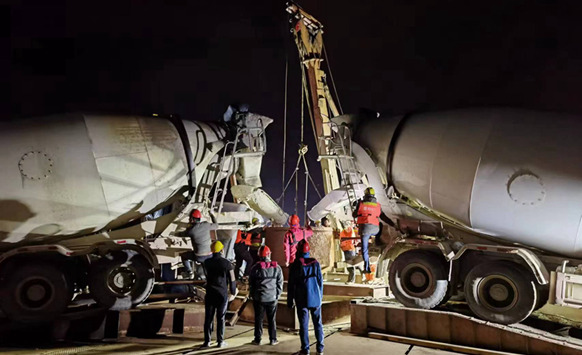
[501, 292]
[543, 294]
[34, 292]
[121, 280]
[419, 279]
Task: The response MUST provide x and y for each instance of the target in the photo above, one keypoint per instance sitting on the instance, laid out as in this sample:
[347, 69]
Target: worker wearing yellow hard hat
[216, 246]
[366, 212]
[219, 279]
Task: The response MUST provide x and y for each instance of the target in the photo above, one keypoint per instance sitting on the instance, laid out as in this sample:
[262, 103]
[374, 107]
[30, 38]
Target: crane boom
[308, 38]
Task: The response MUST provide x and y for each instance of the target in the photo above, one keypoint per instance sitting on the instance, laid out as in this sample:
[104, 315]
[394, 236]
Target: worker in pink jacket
[294, 235]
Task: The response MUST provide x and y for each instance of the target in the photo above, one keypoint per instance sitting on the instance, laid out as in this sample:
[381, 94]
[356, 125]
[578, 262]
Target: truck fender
[131, 244]
[33, 249]
[531, 260]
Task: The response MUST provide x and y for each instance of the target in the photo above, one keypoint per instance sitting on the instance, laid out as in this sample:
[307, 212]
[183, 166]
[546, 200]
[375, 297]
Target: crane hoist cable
[283, 187]
[302, 147]
[331, 77]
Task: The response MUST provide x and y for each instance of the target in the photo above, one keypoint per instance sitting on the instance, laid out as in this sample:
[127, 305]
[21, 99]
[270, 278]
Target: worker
[348, 247]
[265, 288]
[366, 213]
[305, 291]
[242, 254]
[199, 233]
[257, 239]
[220, 279]
[292, 237]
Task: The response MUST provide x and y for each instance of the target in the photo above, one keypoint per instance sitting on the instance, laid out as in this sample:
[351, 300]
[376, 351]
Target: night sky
[193, 58]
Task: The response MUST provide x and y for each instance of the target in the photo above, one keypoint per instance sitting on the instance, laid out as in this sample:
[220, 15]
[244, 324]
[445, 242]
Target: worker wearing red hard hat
[199, 233]
[265, 286]
[293, 236]
[305, 291]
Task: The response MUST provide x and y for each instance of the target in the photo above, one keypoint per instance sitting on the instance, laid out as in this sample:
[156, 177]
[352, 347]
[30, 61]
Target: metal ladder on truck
[255, 145]
[340, 148]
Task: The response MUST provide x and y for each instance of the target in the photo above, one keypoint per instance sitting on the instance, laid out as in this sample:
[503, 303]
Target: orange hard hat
[294, 219]
[196, 214]
[264, 252]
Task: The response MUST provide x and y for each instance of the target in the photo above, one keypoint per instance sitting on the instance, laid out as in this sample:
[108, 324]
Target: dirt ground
[338, 341]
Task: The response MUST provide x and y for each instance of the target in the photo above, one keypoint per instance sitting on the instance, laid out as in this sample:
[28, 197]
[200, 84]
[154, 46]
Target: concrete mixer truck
[480, 203]
[89, 204]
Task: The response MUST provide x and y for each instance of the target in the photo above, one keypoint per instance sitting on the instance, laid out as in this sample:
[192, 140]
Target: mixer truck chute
[483, 203]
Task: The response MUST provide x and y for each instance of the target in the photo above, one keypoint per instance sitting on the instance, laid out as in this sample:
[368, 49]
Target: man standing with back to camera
[266, 286]
[220, 278]
[305, 291]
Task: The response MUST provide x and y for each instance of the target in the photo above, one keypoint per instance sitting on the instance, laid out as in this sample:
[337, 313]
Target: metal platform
[445, 330]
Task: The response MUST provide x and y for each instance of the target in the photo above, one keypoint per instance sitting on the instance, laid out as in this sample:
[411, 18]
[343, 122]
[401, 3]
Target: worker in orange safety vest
[241, 253]
[348, 247]
[367, 213]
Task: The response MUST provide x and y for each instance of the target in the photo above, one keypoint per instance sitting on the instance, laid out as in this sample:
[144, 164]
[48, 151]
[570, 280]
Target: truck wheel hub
[121, 280]
[498, 293]
[34, 293]
[417, 279]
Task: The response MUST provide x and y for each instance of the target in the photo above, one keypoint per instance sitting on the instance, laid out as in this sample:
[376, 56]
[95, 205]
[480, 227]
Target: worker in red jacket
[367, 212]
[294, 235]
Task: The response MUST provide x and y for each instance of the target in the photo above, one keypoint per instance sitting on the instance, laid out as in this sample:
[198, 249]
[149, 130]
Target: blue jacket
[305, 285]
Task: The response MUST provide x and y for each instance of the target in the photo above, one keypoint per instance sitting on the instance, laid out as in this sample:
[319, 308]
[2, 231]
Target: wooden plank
[439, 327]
[182, 282]
[355, 290]
[168, 296]
[377, 320]
[436, 344]
[488, 336]
[514, 342]
[416, 325]
[359, 320]
[396, 318]
[235, 310]
[462, 330]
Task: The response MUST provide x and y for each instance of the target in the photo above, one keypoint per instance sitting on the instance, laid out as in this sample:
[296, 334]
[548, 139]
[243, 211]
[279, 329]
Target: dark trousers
[254, 255]
[350, 255]
[241, 253]
[212, 307]
[303, 315]
[271, 309]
